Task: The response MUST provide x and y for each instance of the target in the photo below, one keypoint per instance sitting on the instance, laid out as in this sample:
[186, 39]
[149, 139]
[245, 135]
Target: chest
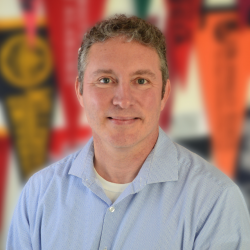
[145, 220]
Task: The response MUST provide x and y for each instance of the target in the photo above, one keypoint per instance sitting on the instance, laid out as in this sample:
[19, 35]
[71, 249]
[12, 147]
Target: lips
[123, 118]
[117, 120]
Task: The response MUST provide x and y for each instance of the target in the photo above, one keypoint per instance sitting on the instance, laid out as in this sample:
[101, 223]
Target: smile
[123, 120]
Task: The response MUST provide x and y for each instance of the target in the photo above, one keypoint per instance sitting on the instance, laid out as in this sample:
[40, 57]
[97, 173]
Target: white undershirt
[112, 190]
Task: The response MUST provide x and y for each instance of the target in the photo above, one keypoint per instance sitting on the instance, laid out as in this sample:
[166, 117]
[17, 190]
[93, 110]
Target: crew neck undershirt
[112, 190]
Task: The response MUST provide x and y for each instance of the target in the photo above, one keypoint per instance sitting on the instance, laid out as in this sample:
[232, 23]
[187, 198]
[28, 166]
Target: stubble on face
[107, 106]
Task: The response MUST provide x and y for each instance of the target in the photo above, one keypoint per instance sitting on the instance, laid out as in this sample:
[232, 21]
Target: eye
[105, 80]
[141, 81]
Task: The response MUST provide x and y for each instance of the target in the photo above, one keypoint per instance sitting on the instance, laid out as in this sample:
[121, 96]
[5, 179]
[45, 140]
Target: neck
[121, 165]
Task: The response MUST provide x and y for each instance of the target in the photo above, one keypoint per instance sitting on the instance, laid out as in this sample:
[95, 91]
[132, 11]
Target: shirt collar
[161, 164]
[82, 166]
[164, 166]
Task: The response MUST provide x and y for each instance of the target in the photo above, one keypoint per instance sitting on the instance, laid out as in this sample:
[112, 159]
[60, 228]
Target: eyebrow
[144, 72]
[105, 71]
[138, 72]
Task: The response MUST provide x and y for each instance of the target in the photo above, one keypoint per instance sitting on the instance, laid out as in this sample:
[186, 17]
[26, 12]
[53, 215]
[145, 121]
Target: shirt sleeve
[19, 232]
[226, 225]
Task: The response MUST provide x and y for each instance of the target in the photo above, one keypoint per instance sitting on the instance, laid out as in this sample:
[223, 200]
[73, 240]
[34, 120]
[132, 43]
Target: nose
[123, 96]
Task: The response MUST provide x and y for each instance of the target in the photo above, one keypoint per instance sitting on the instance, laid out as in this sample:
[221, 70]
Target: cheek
[96, 101]
[151, 103]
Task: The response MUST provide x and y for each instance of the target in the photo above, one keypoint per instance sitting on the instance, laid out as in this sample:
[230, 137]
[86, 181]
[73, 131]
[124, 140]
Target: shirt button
[112, 209]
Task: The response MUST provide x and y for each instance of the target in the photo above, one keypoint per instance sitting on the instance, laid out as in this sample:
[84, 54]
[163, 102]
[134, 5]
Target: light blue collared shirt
[177, 201]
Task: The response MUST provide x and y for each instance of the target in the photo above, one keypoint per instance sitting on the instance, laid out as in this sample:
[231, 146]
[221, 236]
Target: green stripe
[142, 7]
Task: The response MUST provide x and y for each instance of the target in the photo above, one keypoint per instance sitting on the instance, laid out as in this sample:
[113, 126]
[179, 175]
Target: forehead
[122, 54]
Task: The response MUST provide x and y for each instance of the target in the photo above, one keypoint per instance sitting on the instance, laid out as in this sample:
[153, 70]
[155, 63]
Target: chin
[123, 141]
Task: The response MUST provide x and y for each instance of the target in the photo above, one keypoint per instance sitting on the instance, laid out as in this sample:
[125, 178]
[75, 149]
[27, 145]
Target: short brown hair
[132, 28]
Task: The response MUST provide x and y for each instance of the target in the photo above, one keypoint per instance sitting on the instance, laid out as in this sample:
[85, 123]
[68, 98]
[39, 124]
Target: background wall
[41, 122]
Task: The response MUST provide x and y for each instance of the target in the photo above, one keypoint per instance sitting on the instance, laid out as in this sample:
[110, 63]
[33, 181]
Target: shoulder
[209, 191]
[55, 176]
[196, 169]
[204, 185]
[191, 171]
[59, 168]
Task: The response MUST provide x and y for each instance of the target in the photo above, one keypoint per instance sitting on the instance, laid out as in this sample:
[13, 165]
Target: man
[130, 187]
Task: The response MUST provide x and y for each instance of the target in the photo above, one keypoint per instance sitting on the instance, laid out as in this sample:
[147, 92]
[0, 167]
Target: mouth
[123, 120]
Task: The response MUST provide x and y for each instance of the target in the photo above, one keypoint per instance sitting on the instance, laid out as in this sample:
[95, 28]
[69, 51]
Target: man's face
[122, 90]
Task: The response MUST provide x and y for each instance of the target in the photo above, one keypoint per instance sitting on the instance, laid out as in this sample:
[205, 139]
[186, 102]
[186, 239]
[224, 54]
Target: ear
[78, 94]
[166, 94]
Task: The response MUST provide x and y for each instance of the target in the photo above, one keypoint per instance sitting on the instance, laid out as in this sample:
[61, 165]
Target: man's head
[123, 83]
[132, 29]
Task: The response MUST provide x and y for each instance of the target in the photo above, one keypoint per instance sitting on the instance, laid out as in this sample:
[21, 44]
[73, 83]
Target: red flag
[244, 8]
[181, 25]
[4, 156]
[68, 21]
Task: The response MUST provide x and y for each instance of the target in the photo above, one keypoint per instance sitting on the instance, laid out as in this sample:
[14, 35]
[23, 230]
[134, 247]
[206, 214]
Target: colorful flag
[183, 17]
[27, 89]
[68, 21]
[224, 57]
